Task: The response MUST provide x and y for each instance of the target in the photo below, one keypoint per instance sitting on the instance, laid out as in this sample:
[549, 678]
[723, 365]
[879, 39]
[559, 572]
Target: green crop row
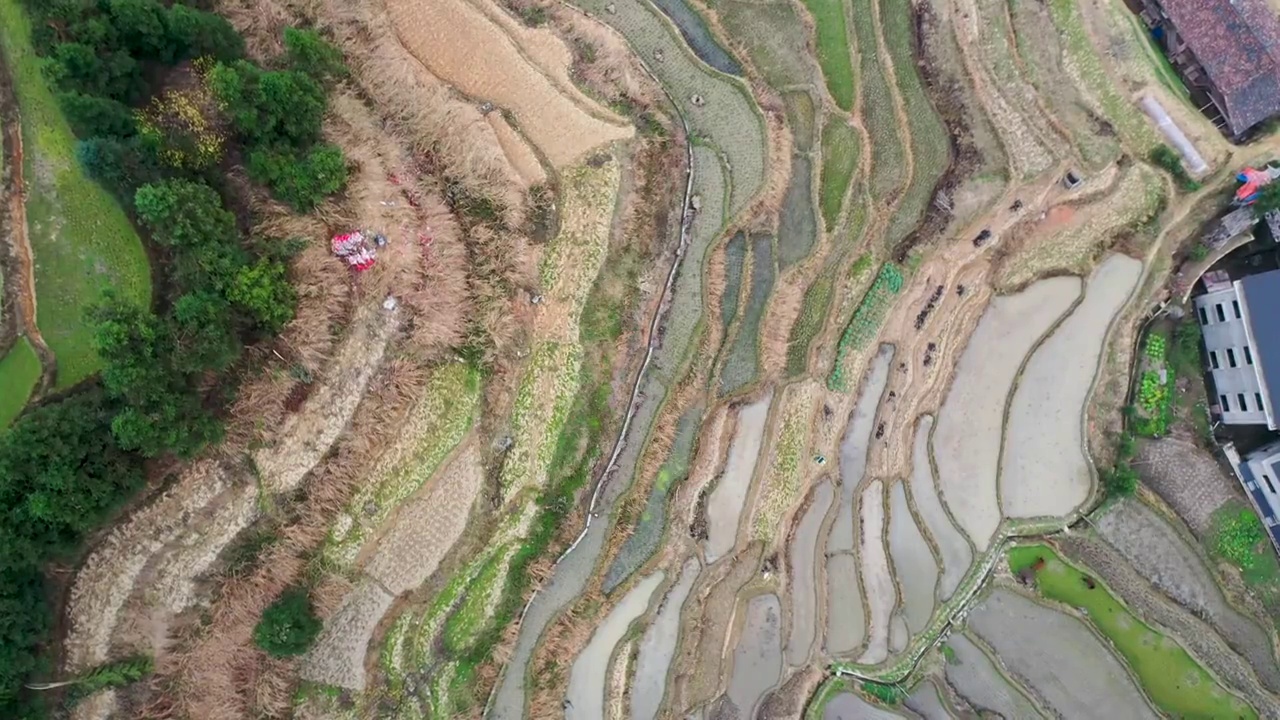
[833, 49]
[878, 113]
[813, 312]
[841, 149]
[866, 321]
[536, 419]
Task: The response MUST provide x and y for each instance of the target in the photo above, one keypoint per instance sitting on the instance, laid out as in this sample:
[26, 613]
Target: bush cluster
[160, 96]
[1167, 158]
[289, 625]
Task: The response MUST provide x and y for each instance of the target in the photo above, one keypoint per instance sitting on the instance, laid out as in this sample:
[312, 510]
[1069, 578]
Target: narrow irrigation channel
[505, 692]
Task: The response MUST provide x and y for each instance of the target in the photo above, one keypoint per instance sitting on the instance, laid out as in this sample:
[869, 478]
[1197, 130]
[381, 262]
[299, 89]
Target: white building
[1242, 343]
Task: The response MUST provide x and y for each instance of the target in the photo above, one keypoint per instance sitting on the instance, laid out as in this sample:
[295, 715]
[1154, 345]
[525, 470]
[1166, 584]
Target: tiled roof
[1238, 43]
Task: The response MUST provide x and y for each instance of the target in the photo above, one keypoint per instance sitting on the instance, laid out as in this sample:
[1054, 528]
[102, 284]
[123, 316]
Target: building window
[1235, 305]
[1270, 488]
[1244, 406]
[1213, 359]
[1204, 316]
[1222, 316]
[1226, 406]
[1248, 356]
[1257, 401]
[1231, 357]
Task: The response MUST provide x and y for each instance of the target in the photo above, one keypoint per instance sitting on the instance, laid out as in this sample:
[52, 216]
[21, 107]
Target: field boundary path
[18, 274]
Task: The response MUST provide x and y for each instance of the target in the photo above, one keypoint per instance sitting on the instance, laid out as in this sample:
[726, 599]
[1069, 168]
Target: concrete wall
[1230, 359]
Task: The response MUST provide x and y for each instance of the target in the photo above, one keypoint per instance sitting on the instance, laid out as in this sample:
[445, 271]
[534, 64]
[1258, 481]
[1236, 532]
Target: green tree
[269, 107]
[202, 331]
[143, 28]
[91, 116]
[24, 623]
[81, 68]
[60, 475]
[310, 53]
[289, 626]
[1121, 480]
[161, 413]
[301, 181]
[121, 166]
[195, 33]
[189, 218]
[1268, 199]
[264, 292]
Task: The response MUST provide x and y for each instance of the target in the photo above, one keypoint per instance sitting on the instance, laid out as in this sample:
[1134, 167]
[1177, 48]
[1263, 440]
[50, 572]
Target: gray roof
[1262, 297]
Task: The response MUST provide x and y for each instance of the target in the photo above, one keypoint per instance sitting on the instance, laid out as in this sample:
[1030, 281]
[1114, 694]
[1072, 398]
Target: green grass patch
[774, 38]
[553, 366]
[813, 312]
[463, 626]
[1174, 681]
[81, 238]
[1123, 114]
[841, 149]
[833, 49]
[866, 321]
[800, 116]
[19, 373]
[878, 115]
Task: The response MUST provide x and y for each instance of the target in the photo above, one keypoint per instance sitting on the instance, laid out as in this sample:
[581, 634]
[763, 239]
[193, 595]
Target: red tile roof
[1238, 43]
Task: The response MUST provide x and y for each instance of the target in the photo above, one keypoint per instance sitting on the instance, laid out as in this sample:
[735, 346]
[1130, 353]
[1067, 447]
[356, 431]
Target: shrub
[121, 166]
[887, 694]
[200, 34]
[310, 53]
[1167, 158]
[24, 622]
[60, 475]
[80, 68]
[269, 107]
[142, 27]
[189, 218]
[289, 626]
[1119, 481]
[1237, 536]
[91, 116]
[264, 292]
[117, 673]
[300, 181]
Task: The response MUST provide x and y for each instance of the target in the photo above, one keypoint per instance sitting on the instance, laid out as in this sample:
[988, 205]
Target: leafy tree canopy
[289, 626]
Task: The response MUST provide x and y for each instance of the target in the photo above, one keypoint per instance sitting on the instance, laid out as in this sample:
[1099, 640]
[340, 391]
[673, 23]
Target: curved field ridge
[1044, 471]
[726, 118]
[1176, 683]
[966, 441]
[587, 678]
[955, 550]
[658, 646]
[461, 45]
[1058, 658]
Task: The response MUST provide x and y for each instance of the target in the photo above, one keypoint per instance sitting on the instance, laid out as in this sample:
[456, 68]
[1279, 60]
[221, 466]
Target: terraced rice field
[752, 433]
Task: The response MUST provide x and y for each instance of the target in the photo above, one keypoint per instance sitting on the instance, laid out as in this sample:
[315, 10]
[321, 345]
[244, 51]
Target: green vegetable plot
[866, 321]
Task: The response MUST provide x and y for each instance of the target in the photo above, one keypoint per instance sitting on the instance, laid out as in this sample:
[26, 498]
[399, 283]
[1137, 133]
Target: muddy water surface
[658, 646]
[927, 703]
[1045, 471]
[846, 618]
[966, 442]
[951, 543]
[724, 506]
[913, 561]
[1059, 657]
[804, 594]
[757, 661]
[874, 564]
[853, 449]
[585, 698]
[975, 677]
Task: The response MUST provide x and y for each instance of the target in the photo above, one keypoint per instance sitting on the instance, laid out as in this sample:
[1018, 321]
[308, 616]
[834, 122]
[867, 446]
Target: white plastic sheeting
[1195, 163]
